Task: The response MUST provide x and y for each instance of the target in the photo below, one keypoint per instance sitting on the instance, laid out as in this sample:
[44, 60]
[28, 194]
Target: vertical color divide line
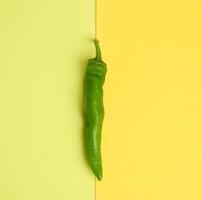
[95, 18]
[96, 38]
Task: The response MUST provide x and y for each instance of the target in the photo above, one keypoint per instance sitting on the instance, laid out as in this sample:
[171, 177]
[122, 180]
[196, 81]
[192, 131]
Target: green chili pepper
[94, 110]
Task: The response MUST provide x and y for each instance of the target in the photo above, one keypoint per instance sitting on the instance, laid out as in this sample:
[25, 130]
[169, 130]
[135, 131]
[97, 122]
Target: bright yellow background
[44, 45]
[152, 134]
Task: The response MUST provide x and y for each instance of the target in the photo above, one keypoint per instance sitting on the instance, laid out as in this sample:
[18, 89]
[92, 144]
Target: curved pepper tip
[98, 173]
[99, 177]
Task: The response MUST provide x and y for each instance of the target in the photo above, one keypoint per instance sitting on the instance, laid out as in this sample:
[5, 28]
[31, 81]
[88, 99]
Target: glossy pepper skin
[94, 110]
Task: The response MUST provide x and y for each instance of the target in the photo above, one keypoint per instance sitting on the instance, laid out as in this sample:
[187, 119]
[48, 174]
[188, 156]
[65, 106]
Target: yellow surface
[152, 134]
[44, 45]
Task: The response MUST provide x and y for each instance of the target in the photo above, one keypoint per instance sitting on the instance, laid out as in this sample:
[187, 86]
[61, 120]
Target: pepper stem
[98, 51]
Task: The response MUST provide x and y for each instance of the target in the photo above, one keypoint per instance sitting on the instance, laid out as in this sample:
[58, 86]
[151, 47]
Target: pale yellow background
[44, 45]
[152, 134]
